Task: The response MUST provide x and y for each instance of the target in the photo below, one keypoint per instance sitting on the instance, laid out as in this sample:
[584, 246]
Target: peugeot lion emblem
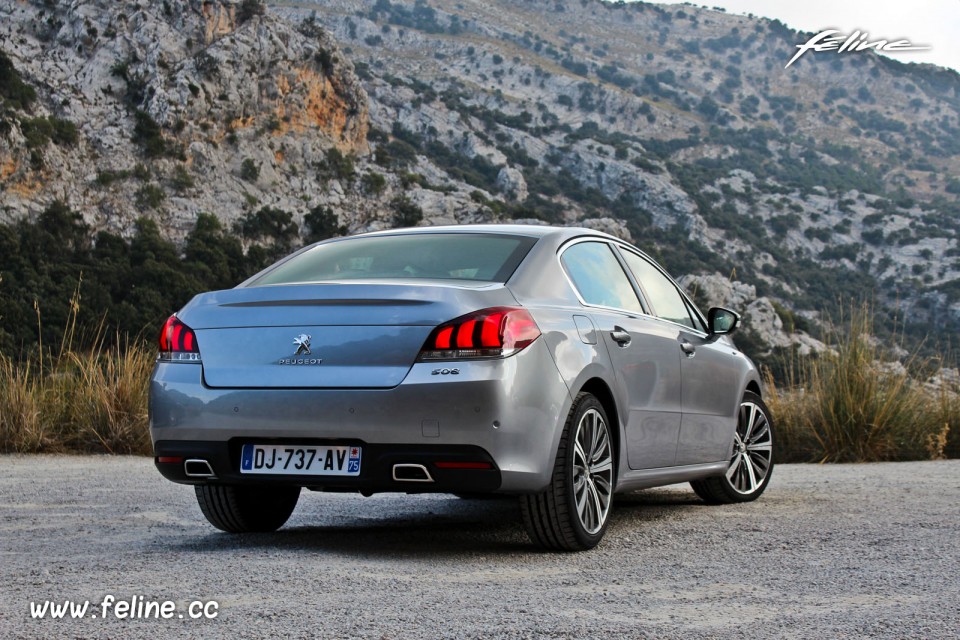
[303, 345]
[302, 342]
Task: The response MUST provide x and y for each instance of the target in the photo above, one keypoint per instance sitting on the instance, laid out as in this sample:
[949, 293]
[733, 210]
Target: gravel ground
[829, 551]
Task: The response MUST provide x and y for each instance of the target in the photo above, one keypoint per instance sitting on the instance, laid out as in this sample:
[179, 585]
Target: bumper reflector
[169, 459]
[463, 465]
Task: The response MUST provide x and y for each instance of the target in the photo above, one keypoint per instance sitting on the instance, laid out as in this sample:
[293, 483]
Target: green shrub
[249, 170]
[337, 166]
[373, 183]
[148, 134]
[150, 196]
[249, 9]
[13, 90]
[405, 212]
[39, 131]
[180, 179]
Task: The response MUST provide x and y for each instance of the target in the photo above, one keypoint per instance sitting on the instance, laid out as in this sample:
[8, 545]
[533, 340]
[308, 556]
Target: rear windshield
[446, 256]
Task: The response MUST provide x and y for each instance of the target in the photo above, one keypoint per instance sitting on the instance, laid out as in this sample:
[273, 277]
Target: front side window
[445, 256]
[660, 291]
[598, 276]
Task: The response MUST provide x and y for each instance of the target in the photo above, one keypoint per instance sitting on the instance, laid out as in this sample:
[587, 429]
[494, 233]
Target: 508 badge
[445, 372]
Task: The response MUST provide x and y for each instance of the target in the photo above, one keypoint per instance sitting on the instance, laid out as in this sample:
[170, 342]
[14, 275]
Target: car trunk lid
[356, 335]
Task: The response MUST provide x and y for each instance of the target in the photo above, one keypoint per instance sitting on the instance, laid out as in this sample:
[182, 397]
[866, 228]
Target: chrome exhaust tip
[198, 468]
[409, 472]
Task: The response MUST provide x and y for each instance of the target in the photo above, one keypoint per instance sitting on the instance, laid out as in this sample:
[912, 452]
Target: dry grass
[843, 406]
[847, 405]
[87, 402]
[92, 400]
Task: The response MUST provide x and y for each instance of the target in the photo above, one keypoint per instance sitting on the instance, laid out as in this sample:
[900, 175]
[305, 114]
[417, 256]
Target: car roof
[531, 230]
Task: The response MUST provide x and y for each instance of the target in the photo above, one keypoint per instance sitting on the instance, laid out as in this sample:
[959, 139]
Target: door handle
[688, 348]
[620, 336]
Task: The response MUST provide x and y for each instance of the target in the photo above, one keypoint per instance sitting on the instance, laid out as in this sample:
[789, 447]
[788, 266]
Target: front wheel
[751, 461]
[246, 509]
[572, 514]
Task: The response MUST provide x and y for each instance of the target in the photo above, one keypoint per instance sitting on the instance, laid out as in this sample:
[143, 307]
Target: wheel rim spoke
[594, 435]
[583, 507]
[595, 501]
[734, 466]
[751, 423]
[579, 454]
[752, 476]
[606, 465]
[762, 432]
[603, 489]
[761, 464]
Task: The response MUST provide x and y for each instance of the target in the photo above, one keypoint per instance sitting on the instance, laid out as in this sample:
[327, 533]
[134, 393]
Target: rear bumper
[510, 410]
[376, 469]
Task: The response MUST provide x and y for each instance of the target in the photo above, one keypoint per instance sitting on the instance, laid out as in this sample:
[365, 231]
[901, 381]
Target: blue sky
[929, 22]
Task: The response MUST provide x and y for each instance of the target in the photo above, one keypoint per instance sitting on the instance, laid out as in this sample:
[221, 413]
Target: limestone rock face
[759, 317]
[189, 93]
[511, 182]
[614, 227]
[219, 19]
[717, 291]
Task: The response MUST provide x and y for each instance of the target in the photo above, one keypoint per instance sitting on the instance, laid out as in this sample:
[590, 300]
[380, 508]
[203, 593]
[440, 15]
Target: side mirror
[722, 321]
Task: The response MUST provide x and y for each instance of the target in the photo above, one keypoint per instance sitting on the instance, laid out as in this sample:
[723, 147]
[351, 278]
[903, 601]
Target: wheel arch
[599, 388]
[754, 386]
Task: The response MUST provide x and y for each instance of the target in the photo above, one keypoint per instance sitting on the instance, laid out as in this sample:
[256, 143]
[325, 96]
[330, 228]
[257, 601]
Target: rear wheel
[243, 509]
[572, 514]
[751, 461]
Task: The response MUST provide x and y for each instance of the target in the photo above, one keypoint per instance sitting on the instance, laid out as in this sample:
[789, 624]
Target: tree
[322, 223]
[212, 255]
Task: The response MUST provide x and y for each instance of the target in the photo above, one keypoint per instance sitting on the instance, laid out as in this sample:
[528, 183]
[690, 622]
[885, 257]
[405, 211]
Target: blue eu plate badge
[353, 463]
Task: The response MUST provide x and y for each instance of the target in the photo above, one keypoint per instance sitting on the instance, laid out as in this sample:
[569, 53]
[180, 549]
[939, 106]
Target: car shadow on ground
[436, 528]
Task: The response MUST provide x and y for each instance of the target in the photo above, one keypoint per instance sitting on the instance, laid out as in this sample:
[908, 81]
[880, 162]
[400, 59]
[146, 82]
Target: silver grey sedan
[560, 365]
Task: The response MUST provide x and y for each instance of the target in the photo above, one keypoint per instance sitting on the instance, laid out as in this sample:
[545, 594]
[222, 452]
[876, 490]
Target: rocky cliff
[179, 107]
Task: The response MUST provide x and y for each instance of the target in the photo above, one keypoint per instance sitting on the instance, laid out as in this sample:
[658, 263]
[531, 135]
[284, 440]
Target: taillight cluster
[490, 333]
[178, 342]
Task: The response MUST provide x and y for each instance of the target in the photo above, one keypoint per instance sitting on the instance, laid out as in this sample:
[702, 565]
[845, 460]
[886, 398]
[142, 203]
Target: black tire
[552, 518]
[246, 509]
[753, 453]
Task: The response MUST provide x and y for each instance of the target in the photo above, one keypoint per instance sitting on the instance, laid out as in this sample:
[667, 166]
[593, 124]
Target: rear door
[710, 374]
[644, 353]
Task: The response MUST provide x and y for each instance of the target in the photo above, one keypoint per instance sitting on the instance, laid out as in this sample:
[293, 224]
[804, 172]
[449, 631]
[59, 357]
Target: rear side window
[445, 256]
[598, 276]
[660, 291]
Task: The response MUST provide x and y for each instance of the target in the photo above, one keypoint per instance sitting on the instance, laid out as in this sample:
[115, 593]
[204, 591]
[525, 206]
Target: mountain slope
[831, 178]
[676, 126]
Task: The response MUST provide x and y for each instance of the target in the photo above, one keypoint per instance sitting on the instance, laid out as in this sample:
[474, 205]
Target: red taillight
[490, 333]
[178, 342]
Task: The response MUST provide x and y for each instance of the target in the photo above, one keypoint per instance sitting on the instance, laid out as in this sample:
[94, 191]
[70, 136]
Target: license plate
[300, 460]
